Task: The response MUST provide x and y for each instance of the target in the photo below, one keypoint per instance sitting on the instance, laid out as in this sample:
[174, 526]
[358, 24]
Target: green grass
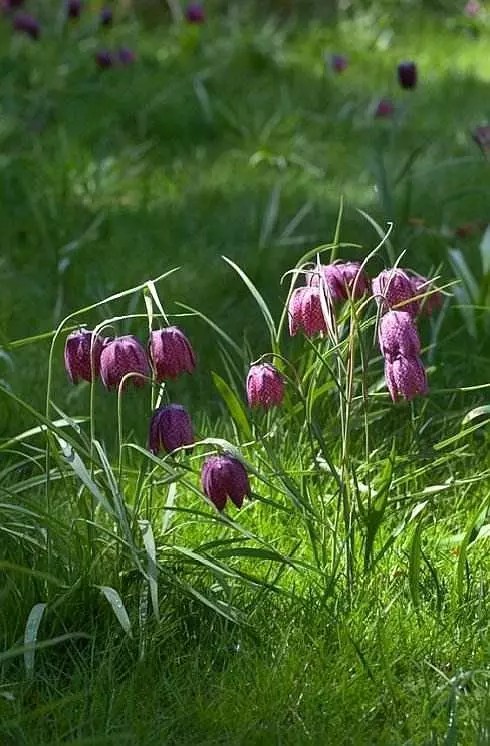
[257, 627]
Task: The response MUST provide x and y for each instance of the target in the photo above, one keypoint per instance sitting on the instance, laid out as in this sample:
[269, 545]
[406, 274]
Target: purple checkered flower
[170, 428]
[171, 353]
[265, 386]
[124, 356]
[405, 378]
[224, 477]
[305, 312]
[394, 287]
[398, 335]
[341, 280]
[82, 355]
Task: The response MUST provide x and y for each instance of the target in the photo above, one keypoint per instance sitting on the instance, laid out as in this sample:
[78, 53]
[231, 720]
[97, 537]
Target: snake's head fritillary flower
[407, 75]
[126, 56]
[265, 386]
[27, 24]
[124, 356]
[170, 428]
[338, 63]
[342, 280]
[171, 353]
[481, 135]
[394, 287]
[222, 477]
[82, 355]
[433, 298]
[398, 335]
[194, 13]
[384, 109]
[73, 9]
[406, 378]
[106, 17]
[305, 311]
[104, 59]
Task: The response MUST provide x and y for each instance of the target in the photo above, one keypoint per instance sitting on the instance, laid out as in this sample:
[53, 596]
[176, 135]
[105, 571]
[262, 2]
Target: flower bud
[121, 357]
[407, 75]
[305, 312]
[342, 280]
[170, 428]
[405, 377]
[27, 24]
[170, 353]
[265, 386]
[398, 335]
[393, 287]
[223, 477]
[79, 348]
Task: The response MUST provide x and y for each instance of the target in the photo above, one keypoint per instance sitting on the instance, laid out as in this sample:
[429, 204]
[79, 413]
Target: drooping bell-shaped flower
[265, 386]
[405, 377]
[106, 16]
[194, 13]
[305, 312]
[171, 353]
[126, 56]
[384, 109]
[398, 335]
[73, 9]
[407, 75]
[82, 355]
[222, 477]
[338, 63]
[170, 428]
[432, 298]
[27, 24]
[342, 280]
[124, 356]
[104, 59]
[394, 287]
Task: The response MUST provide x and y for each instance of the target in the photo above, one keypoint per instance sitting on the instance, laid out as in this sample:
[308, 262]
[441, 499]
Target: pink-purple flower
[194, 13]
[394, 288]
[82, 355]
[224, 477]
[305, 311]
[265, 386]
[384, 109]
[124, 356]
[405, 377]
[27, 24]
[398, 335]
[338, 63]
[171, 353]
[104, 59]
[126, 56]
[341, 280]
[170, 428]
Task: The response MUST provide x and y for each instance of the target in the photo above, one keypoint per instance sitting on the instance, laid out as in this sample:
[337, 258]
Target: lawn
[346, 602]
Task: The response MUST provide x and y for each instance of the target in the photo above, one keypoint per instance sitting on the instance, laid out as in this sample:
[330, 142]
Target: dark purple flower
[194, 13]
[305, 312]
[27, 24]
[338, 63]
[170, 353]
[106, 17]
[342, 280]
[407, 75]
[73, 9]
[398, 335]
[384, 109]
[265, 386]
[104, 59]
[223, 477]
[394, 287]
[405, 378]
[126, 56]
[170, 428]
[122, 357]
[82, 355]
